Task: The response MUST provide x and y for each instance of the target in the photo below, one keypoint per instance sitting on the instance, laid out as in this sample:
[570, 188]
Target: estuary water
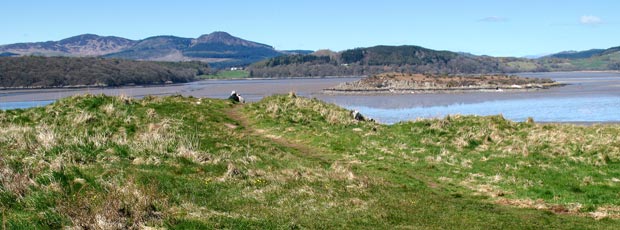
[24, 104]
[589, 97]
[577, 110]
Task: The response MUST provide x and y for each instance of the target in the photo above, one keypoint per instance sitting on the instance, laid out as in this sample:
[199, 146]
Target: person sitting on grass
[357, 115]
[234, 96]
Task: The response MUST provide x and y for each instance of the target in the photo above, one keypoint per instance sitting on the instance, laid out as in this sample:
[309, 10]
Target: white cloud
[590, 20]
[493, 19]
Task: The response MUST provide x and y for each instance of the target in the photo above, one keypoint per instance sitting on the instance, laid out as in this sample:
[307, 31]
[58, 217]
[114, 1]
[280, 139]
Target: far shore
[24, 88]
[499, 89]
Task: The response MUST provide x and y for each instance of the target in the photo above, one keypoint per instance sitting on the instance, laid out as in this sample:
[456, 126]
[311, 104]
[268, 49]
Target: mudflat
[579, 84]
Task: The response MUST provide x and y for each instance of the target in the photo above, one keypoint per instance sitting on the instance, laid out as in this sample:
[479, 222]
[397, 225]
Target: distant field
[227, 74]
[525, 66]
[596, 63]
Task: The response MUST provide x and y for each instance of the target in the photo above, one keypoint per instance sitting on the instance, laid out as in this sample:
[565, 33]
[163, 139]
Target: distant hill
[220, 49]
[81, 45]
[416, 59]
[158, 48]
[381, 59]
[225, 48]
[594, 59]
[576, 54]
[612, 50]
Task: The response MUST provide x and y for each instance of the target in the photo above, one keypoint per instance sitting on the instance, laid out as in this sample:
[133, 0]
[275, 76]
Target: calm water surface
[24, 104]
[589, 97]
[577, 109]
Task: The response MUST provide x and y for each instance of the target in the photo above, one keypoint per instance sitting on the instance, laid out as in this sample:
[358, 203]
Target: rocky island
[430, 83]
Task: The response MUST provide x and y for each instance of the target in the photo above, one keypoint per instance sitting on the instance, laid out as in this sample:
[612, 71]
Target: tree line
[42, 72]
[381, 59]
[415, 59]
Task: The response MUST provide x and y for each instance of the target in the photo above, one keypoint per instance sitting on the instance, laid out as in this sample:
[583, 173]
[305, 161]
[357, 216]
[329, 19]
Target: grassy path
[399, 175]
[235, 114]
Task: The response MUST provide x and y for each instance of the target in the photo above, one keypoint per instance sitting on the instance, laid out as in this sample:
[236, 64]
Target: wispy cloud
[590, 20]
[493, 19]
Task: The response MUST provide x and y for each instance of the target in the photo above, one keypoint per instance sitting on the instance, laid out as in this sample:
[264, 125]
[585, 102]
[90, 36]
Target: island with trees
[430, 83]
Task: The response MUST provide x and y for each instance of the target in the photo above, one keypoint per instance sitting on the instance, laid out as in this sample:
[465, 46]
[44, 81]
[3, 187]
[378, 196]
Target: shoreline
[72, 87]
[500, 89]
[283, 78]
[69, 87]
[251, 78]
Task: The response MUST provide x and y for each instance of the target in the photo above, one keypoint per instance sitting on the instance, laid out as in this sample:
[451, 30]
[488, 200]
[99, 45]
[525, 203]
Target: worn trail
[236, 114]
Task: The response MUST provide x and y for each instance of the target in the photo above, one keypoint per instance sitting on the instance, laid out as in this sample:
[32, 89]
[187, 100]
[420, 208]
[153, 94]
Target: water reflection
[577, 109]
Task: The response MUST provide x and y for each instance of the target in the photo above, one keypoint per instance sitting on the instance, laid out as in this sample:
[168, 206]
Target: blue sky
[498, 27]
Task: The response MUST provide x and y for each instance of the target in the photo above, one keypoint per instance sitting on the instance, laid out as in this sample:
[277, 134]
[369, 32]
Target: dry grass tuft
[525, 203]
[232, 171]
[340, 172]
[157, 138]
[17, 137]
[123, 98]
[150, 113]
[46, 137]
[607, 211]
[15, 183]
[108, 109]
[83, 117]
[192, 154]
[292, 94]
[123, 207]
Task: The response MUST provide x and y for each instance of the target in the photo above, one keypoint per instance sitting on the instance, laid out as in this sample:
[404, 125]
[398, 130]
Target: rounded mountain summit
[219, 49]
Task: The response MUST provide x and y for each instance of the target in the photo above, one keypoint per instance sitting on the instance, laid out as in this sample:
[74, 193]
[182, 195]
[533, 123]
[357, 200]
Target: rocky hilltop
[425, 83]
[227, 39]
[81, 45]
[219, 49]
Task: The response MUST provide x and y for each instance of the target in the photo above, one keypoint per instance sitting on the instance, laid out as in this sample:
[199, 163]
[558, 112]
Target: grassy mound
[558, 168]
[288, 162]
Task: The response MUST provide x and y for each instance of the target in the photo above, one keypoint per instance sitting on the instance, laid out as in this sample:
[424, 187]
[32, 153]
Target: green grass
[227, 74]
[597, 62]
[522, 65]
[594, 63]
[295, 163]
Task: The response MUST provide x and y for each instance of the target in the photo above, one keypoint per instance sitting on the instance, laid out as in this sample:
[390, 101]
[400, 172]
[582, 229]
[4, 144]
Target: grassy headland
[289, 162]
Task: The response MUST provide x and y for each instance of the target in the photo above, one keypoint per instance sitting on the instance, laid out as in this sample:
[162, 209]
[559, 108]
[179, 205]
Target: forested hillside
[380, 59]
[41, 72]
[415, 59]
